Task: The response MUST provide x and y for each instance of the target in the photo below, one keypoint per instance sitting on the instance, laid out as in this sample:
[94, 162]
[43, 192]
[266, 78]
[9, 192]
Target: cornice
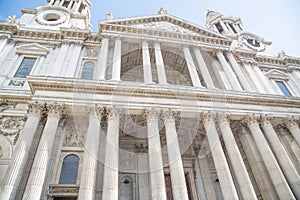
[191, 94]
[120, 29]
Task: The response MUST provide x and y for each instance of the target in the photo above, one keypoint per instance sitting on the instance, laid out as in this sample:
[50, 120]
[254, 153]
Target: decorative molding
[12, 122]
[74, 140]
[59, 190]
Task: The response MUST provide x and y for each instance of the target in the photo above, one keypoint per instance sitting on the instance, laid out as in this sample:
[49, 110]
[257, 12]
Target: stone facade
[150, 107]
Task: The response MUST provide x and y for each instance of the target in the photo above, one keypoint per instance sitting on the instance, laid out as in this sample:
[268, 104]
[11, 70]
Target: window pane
[25, 67]
[87, 71]
[69, 170]
[283, 88]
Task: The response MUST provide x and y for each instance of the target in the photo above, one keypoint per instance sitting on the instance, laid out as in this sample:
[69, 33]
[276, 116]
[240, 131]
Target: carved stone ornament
[57, 110]
[12, 123]
[140, 148]
[151, 114]
[169, 116]
[11, 19]
[16, 83]
[74, 140]
[92, 52]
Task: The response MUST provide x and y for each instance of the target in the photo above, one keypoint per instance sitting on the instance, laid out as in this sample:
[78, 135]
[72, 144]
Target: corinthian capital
[291, 121]
[151, 114]
[208, 116]
[113, 112]
[265, 119]
[251, 119]
[95, 111]
[223, 118]
[169, 116]
[56, 110]
[36, 108]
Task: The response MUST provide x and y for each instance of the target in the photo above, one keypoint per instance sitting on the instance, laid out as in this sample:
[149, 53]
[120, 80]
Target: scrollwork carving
[57, 110]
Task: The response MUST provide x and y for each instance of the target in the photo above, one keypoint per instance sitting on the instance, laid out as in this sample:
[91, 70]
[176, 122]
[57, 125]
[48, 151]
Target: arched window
[69, 170]
[88, 70]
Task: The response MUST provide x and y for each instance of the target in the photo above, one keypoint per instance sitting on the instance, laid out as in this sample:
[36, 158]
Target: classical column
[90, 159]
[158, 188]
[59, 61]
[13, 175]
[51, 2]
[76, 49]
[111, 164]
[102, 60]
[254, 79]
[77, 5]
[62, 2]
[236, 159]
[42, 158]
[203, 69]
[293, 127]
[146, 63]
[258, 168]
[266, 82]
[191, 66]
[38, 66]
[282, 188]
[116, 68]
[174, 156]
[3, 42]
[238, 72]
[162, 79]
[223, 172]
[229, 73]
[282, 157]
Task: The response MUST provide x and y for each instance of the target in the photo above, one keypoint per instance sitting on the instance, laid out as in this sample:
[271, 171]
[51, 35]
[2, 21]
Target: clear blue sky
[275, 20]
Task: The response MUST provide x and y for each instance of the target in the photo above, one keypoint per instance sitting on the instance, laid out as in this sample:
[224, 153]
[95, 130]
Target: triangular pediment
[276, 74]
[35, 49]
[166, 23]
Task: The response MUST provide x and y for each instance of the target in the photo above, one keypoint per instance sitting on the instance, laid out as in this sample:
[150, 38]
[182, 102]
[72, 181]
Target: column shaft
[258, 168]
[116, 68]
[146, 63]
[38, 66]
[3, 43]
[276, 175]
[102, 60]
[238, 72]
[229, 73]
[74, 61]
[223, 172]
[90, 159]
[236, 160]
[175, 162]
[158, 188]
[162, 79]
[283, 159]
[266, 82]
[13, 175]
[111, 165]
[203, 69]
[191, 66]
[42, 158]
[59, 60]
[255, 81]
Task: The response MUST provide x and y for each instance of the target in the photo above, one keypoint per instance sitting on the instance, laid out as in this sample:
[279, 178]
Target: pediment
[277, 74]
[33, 49]
[166, 23]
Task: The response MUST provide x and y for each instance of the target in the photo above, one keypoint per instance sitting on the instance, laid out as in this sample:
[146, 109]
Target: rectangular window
[283, 88]
[25, 67]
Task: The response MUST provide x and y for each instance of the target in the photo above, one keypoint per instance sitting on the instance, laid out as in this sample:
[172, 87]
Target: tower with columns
[150, 107]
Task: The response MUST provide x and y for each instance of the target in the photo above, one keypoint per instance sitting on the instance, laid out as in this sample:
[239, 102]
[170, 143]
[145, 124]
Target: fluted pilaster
[292, 124]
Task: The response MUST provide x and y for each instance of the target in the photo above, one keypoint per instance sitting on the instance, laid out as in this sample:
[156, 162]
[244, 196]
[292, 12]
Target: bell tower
[229, 26]
[58, 14]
